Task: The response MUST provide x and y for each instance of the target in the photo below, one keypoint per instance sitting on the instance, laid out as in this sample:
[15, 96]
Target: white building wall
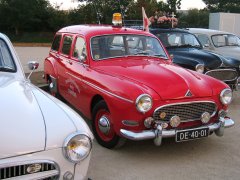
[229, 22]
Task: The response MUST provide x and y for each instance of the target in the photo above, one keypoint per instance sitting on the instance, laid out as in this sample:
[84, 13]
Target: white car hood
[22, 128]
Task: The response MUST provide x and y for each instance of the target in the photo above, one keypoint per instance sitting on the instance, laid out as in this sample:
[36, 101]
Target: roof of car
[207, 31]
[168, 30]
[93, 30]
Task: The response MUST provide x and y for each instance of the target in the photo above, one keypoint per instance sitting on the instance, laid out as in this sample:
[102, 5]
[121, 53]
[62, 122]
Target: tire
[108, 139]
[49, 82]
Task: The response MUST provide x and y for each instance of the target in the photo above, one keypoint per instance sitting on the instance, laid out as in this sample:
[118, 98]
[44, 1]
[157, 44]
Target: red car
[125, 82]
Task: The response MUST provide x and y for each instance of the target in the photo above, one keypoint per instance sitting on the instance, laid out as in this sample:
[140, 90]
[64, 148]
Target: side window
[56, 43]
[203, 39]
[80, 48]
[67, 42]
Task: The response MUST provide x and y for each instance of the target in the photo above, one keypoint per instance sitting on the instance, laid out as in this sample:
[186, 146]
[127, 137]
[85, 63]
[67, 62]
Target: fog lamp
[175, 121]
[205, 117]
[148, 122]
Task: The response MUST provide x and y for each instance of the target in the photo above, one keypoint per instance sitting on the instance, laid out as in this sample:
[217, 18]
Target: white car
[41, 137]
[220, 42]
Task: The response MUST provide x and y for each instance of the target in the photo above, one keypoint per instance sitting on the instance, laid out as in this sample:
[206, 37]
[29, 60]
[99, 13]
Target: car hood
[22, 126]
[168, 80]
[230, 51]
[194, 56]
[32, 120]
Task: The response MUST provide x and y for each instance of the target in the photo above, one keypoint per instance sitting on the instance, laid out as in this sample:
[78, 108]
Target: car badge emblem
[162, 115]
[33, 168]
[188, 94]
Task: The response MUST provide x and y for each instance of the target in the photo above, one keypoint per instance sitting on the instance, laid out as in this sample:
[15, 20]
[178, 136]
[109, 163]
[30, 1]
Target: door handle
[69, 62]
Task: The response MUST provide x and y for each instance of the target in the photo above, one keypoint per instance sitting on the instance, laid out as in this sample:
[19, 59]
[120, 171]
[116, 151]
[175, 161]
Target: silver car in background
[220, 42]
[41, 137]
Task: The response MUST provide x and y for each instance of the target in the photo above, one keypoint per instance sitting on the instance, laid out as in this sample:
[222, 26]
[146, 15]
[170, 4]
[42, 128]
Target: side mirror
[171, 56]
[32, 65]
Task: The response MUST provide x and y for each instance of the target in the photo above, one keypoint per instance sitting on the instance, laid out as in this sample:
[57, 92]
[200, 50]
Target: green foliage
[21, 15]
[232, 6]
[174, 5]
[194, 19]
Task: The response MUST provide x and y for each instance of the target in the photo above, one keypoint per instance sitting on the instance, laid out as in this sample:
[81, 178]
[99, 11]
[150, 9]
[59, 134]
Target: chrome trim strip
[191, 102]
[100, 89]
[233, 70]
[151, 134]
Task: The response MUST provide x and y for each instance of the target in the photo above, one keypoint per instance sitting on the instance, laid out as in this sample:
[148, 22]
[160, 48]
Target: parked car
[125, 82]
[224, 43]
[41, 138]
[188, 52]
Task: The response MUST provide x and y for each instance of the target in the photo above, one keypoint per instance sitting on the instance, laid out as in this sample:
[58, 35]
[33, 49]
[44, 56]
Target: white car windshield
[6, 60]
[221, 40]
[178, 39]
[110, 46]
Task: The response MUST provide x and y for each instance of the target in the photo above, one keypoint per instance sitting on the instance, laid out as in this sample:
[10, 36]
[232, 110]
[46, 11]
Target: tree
[232, 6]
[25, 14]
[194, 18]
[174, 5]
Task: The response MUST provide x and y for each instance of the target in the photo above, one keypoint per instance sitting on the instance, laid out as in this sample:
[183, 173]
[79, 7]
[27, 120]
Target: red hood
[168, 80]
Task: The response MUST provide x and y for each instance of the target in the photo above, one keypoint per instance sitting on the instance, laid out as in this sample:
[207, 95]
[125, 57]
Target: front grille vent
[223, 74]
[48, 170]
[186, 111]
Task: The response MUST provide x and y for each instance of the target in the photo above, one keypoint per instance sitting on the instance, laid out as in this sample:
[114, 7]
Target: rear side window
[56, 43]
[67, 42]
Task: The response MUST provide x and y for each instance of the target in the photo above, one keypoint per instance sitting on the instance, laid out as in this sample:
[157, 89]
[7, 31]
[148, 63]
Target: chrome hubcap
[104, 125]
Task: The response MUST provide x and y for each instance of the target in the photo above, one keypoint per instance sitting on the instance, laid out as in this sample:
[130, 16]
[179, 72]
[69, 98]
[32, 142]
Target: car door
[75, 73]
[64, 64]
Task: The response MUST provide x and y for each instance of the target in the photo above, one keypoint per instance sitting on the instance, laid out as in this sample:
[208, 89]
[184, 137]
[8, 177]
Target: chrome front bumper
[159, 133]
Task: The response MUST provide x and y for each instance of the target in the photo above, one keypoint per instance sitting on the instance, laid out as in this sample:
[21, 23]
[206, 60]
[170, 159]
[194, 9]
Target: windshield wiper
[160, 55]
[6, 69]
[141, 53]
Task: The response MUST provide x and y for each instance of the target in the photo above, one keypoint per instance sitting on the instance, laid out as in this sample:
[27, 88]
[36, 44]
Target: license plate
[190, 134]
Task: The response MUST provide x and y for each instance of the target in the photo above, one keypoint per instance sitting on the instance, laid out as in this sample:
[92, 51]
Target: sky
[70, 4]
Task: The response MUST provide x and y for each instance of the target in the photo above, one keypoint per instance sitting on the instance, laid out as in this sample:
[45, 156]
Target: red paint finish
[120, 80]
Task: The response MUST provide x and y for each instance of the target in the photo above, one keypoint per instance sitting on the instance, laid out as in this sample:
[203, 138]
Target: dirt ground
[36, 78]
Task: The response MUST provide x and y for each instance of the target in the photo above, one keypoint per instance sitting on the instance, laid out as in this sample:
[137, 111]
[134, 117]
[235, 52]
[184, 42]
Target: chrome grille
[186, 111]
[18, 170]
[223, 74]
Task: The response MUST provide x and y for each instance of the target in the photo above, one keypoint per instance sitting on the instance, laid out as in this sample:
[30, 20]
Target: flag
[146, 22]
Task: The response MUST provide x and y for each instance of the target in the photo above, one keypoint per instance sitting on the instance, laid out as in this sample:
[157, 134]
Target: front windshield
[110, 46]
[6, 61]
[178, 39]
[221, 40]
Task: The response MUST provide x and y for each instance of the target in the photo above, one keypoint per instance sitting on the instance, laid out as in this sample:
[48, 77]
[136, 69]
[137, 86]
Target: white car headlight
[199, 68]
[144, 103]
[226, 96]
[77, 147]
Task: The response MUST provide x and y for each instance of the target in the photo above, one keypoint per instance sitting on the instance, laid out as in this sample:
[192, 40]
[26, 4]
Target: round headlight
[199, 68]
[226, 96]
[144, 103]
[77, 147]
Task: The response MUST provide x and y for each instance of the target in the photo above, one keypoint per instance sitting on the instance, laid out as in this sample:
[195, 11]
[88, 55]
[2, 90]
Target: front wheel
[102, 126]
